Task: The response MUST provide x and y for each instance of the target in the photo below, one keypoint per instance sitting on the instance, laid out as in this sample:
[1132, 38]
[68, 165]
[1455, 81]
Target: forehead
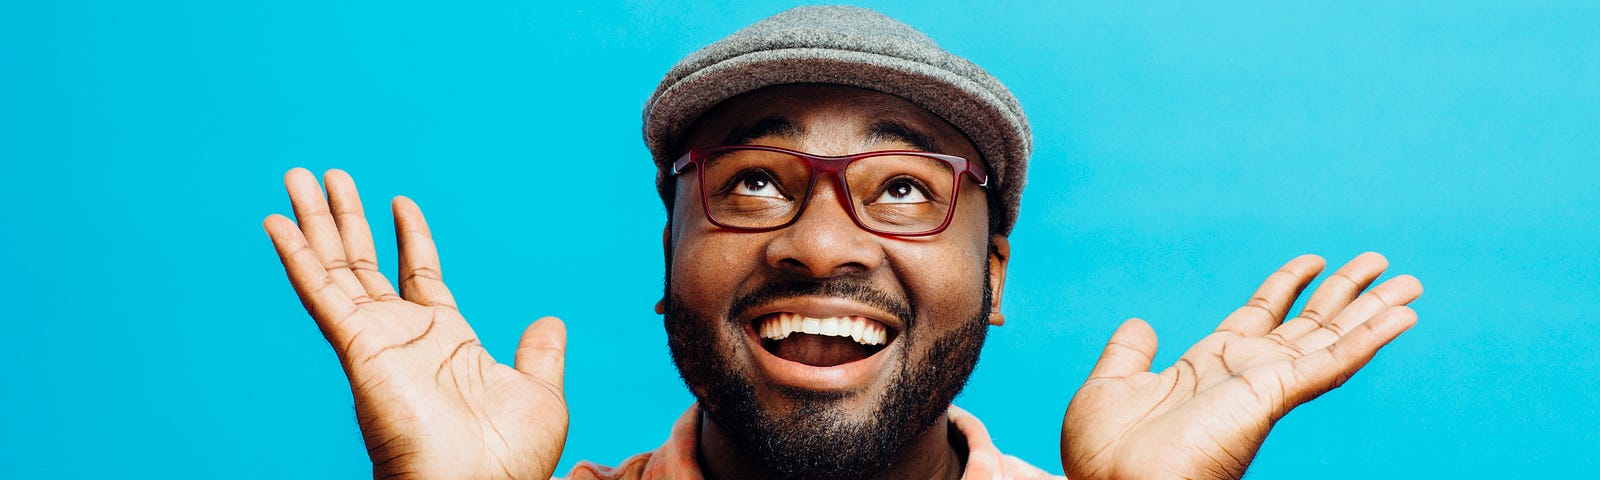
[829, 117]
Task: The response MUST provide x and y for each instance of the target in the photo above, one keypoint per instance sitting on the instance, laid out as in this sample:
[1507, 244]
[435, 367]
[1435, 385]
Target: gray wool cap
[856, 47]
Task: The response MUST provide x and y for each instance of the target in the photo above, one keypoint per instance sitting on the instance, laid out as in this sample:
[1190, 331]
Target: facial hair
[817, 439]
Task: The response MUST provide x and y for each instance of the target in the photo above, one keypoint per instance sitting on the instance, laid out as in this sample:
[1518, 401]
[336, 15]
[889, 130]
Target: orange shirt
[675, 460]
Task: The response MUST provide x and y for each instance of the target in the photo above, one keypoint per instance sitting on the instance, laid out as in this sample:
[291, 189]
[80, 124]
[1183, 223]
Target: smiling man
[831, 281]
[840, 191]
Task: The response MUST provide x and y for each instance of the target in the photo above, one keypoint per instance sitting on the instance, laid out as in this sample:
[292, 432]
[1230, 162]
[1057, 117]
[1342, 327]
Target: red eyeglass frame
[833, 166]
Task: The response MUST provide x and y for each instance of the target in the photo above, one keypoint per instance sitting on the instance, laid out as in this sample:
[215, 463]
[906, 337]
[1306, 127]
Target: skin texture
[1205, 416]
[431, 403]
[941, 277]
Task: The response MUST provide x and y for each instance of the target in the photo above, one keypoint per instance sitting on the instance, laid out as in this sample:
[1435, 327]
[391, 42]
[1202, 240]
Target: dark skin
[943, 270]
[432, 403]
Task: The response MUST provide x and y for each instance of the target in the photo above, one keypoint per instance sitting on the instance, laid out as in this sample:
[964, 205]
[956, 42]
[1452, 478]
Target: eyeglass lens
[898, 193]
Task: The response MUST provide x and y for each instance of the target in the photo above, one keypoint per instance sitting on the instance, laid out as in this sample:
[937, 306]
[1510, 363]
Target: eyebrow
[891, 130]
[775, 125]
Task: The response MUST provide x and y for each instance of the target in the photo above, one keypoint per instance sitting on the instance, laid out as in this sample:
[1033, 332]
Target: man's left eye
[902, 190]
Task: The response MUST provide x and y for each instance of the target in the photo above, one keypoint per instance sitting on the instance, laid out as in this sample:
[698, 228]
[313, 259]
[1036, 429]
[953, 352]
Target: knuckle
[429, 273]
[1345, 277]
[1377, 294]
[1312, 314]
[1276, 337]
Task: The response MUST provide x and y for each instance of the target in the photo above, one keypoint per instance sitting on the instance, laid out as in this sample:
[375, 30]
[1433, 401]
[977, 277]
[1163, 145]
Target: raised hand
[1206, 416]
[430, 400]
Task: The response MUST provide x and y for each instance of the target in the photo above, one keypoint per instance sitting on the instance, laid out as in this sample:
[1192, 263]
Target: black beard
[816, 439]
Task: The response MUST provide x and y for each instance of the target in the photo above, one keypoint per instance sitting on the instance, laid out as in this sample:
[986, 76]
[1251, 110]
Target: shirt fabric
[676, 459]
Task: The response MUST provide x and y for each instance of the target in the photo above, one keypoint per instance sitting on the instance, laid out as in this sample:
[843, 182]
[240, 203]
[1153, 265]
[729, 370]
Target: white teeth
[830, 326]
[861, 329]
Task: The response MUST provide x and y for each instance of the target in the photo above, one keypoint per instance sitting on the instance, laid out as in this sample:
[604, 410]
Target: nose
[824, 242]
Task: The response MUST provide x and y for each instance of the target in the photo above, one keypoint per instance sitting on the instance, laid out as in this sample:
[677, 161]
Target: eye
[754, 183]
[902, 190]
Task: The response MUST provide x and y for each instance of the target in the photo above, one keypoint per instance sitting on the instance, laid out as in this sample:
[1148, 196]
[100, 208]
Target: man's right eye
[755, 183]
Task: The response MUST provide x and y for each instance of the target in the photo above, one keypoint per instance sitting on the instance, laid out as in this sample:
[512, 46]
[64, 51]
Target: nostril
[851, 268]
[801, 268]
[792, 265]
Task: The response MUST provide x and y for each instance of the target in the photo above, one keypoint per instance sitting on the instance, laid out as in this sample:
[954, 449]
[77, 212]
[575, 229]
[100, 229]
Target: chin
[834, 407]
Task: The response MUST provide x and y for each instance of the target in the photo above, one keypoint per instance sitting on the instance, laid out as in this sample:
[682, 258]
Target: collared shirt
[676, 459]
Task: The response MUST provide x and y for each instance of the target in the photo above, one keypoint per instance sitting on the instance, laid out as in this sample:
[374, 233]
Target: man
[840, 191]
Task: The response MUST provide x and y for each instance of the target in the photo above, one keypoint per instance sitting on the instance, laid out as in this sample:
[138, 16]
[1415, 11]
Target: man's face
[824, 404]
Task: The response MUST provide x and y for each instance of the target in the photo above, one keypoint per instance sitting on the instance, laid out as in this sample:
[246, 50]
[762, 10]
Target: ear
[666, 251]
[999, 254]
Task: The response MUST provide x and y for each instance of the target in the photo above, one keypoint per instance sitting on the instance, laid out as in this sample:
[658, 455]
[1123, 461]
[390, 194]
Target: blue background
[1183, 152]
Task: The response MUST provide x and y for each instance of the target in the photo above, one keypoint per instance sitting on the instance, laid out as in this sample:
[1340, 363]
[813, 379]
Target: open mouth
[821, 342]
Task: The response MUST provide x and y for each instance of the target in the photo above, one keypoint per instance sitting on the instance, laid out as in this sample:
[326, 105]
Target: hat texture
[856, 47]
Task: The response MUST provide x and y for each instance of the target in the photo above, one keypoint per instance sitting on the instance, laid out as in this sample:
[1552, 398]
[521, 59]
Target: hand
[430, 400]
[1205, 416]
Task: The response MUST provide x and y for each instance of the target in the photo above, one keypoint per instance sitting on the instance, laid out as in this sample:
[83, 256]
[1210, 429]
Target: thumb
[1130, 351]
[542, 353]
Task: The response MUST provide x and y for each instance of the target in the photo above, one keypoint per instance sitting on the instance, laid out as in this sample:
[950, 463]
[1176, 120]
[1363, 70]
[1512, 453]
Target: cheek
[946, 281]
[709, 267]
[945, 273]
[703, 268]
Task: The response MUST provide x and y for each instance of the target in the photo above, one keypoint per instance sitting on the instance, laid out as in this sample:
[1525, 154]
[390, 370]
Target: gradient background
[1183, 152]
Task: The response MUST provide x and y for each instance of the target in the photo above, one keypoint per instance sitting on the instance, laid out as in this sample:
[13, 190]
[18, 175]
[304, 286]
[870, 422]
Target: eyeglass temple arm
[682, 163]
[978, 173]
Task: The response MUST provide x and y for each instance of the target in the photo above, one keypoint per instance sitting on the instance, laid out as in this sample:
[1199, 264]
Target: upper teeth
[863, 330]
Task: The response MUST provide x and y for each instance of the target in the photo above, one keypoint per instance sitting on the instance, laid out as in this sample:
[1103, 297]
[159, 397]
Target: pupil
[755, 183]
[900, 190]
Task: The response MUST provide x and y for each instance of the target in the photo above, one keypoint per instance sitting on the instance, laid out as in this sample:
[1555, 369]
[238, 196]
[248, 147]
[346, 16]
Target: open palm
[430, 401]
[1205, 416]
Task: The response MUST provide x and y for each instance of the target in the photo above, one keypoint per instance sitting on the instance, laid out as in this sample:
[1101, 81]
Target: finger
[1328, 368]
[321, 231]
[1397, 291]
[1131, 349]
[325, 300]
[542, 352]
[1335, 293]
[356, 234]
[1272, 300]
[421, 280]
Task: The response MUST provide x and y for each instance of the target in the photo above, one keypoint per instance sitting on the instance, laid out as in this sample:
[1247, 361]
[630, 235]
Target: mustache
[849, 288]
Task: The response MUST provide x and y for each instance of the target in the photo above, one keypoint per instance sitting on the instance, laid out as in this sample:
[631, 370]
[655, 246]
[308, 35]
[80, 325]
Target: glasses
[756, 188]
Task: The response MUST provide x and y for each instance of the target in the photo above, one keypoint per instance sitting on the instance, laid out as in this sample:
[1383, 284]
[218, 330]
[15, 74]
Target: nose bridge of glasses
[827, 186]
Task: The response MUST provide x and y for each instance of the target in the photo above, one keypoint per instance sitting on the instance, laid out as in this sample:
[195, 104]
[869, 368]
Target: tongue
[820, 350]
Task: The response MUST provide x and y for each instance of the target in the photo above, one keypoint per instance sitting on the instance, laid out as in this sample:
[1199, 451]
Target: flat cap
[856, 47]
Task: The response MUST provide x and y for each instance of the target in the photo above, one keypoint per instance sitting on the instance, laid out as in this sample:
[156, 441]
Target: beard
[819, 438]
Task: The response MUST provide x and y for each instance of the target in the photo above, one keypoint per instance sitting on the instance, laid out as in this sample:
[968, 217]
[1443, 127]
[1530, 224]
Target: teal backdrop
[1183, 151]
